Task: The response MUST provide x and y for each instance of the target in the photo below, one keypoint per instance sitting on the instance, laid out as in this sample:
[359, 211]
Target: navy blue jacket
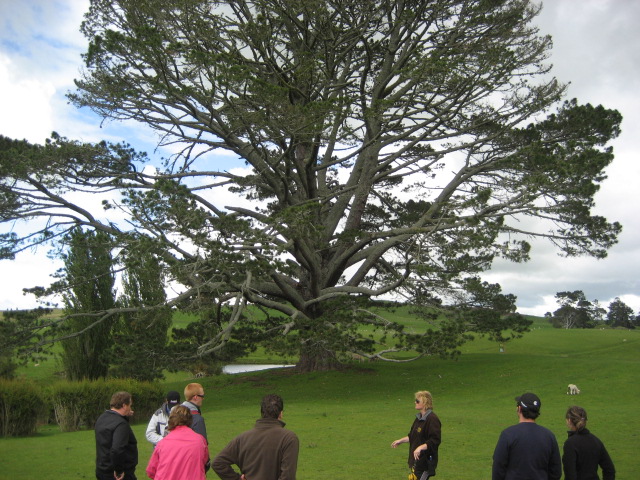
[527, 451]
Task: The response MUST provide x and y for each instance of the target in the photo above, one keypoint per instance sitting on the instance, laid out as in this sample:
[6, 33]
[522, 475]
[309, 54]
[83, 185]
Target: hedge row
[21, 404]
[75, 405]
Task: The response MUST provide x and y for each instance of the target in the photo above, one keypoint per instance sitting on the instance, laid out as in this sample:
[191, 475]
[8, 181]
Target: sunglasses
[417, 400]
[198, 395]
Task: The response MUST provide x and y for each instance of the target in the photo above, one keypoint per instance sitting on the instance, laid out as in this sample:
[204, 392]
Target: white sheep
[572, 389]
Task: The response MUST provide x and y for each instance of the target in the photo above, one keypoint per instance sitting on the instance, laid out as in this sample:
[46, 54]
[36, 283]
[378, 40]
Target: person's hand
[418, 451]
[395, 443]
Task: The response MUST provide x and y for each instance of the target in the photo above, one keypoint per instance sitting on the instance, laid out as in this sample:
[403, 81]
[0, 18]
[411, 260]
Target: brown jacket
[266, 452]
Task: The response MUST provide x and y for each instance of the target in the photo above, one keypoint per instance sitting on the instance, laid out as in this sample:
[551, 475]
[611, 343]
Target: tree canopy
[390, 148]
[575, 311]
[620, 314]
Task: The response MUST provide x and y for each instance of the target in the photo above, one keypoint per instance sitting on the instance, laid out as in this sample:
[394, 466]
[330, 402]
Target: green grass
[346, 420]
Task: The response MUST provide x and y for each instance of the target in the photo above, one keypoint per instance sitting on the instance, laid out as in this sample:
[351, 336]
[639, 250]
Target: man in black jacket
[116, 445]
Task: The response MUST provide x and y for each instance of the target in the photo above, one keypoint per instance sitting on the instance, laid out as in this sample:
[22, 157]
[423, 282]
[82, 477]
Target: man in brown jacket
[266, 452]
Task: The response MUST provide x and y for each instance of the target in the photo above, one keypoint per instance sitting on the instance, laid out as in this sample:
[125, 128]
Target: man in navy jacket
[527, 450]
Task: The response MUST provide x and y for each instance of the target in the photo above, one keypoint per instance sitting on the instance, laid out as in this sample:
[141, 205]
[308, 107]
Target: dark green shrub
[147, 398]
[79, 404]
[21, 404]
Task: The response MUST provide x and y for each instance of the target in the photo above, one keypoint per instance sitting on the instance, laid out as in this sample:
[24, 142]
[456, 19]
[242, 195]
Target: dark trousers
[131, 475]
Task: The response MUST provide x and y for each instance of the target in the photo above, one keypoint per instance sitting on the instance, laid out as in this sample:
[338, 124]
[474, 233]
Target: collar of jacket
[119, 414]
[192, 406]
[424, 416]
[269, 421]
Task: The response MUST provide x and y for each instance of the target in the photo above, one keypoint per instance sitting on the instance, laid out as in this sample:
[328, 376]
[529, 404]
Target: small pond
[238, 368]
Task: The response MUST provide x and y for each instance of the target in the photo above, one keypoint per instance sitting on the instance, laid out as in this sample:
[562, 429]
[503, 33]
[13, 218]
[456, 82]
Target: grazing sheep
[572, 389]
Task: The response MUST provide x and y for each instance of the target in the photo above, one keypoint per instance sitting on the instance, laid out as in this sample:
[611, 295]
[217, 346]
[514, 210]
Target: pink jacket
[180, 455]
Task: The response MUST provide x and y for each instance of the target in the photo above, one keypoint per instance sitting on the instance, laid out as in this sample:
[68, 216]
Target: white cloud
[40, 47]
[26, 104]
[29, 269]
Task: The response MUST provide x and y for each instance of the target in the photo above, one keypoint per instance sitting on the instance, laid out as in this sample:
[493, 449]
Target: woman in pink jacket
[182, 454]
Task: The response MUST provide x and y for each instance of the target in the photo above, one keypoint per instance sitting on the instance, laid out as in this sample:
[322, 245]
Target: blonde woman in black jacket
[424, 438]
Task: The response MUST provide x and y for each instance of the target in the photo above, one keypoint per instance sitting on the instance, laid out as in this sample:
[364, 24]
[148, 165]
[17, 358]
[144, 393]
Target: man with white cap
[527, 451]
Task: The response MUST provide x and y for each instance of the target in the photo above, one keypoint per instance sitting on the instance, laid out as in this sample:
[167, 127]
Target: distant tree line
[576, 311]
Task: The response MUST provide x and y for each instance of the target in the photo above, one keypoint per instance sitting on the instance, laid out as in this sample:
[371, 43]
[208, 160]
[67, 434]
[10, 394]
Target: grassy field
[346, 420]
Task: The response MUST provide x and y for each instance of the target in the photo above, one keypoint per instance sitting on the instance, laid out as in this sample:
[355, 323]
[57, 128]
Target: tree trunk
[315, 358]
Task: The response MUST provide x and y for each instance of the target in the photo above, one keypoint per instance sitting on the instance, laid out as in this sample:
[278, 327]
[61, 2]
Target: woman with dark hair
[182, 454]
[583, 451]
[423, 439]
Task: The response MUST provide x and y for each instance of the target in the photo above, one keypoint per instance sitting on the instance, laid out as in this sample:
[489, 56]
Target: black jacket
[425, 429]
[582, 454]
[116, 445]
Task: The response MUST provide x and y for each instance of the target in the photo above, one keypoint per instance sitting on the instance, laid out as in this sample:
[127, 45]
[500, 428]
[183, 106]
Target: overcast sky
[596, 48]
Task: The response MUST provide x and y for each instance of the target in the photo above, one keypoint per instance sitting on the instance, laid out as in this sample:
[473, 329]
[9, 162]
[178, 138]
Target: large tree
[575, 311]
[392, 147]
[620, 314]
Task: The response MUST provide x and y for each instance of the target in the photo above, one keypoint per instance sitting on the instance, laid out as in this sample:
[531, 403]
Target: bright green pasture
[346, 420]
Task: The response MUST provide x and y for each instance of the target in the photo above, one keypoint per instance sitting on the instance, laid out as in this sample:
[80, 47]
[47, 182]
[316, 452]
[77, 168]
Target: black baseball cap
[529, 401]
[173, 398]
